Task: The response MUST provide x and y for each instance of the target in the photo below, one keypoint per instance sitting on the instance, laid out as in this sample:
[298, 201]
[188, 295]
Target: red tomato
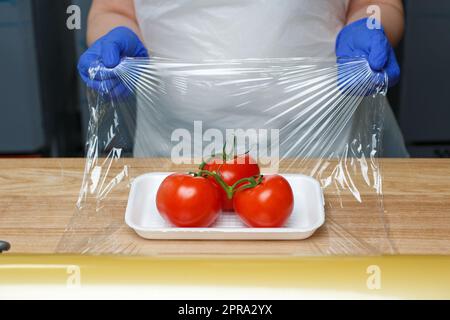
[231, 172]
[268, 205]
[188, 201]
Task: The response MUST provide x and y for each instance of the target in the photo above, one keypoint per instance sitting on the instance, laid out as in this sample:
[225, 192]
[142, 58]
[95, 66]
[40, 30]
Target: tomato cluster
[231, 171]
[196, 199]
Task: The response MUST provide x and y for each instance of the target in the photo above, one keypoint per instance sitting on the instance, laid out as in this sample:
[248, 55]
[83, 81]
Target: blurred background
[43, 104]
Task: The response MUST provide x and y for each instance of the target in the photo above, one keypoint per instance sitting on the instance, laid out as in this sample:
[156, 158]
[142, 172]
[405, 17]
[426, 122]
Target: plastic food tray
[143, 216]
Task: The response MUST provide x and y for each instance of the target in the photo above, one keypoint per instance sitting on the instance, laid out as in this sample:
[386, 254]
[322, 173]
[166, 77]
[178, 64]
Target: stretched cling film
[302, 115]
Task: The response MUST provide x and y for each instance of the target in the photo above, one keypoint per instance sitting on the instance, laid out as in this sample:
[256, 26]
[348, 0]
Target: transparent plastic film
[315, 117]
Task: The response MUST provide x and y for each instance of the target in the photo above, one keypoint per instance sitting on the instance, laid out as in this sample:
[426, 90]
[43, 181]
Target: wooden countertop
[38, 215]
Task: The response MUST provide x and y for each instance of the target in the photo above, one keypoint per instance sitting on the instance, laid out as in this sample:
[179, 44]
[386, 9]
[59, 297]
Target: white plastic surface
[142, 215]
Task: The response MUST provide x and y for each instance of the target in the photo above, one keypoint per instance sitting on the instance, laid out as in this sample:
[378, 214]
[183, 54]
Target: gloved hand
[357, 40]
[105, 54]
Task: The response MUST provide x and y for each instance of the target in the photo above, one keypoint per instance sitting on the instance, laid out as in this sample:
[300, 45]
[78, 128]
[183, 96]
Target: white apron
[228, 29]
[232, 29]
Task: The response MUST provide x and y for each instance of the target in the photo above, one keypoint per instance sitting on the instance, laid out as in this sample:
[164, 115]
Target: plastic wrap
[311, 116]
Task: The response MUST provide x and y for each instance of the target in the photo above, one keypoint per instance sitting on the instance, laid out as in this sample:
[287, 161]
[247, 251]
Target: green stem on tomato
[224, 152]
[202, 165]
[231, 190]
[205, 162]
[252, 182]
[224, 155]
[228, 190]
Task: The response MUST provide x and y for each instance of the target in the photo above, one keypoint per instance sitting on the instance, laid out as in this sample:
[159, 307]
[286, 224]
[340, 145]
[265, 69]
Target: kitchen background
[43, 103]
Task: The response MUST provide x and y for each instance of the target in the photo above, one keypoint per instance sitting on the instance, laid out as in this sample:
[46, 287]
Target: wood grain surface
[38, 214]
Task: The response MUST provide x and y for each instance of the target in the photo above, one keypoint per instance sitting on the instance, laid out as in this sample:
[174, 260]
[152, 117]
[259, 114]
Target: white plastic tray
[142, 215]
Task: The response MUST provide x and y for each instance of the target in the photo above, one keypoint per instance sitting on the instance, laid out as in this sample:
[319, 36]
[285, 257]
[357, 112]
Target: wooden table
[38, 215]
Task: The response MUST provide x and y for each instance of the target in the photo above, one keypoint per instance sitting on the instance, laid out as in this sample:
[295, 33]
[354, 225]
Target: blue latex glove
[357, 40]
[106, 53]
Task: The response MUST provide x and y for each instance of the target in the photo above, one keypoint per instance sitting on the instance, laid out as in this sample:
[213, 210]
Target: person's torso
[233, 29]
[229, 29]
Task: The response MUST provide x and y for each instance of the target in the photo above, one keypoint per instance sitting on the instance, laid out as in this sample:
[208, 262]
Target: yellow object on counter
[378, 277]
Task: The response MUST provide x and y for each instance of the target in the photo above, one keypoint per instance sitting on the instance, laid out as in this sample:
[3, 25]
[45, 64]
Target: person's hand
[358, 40]
[96, 65]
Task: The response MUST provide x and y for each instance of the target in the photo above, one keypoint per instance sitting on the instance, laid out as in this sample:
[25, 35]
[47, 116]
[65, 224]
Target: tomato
[267, 205]
[231, 172]
[188, 201]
